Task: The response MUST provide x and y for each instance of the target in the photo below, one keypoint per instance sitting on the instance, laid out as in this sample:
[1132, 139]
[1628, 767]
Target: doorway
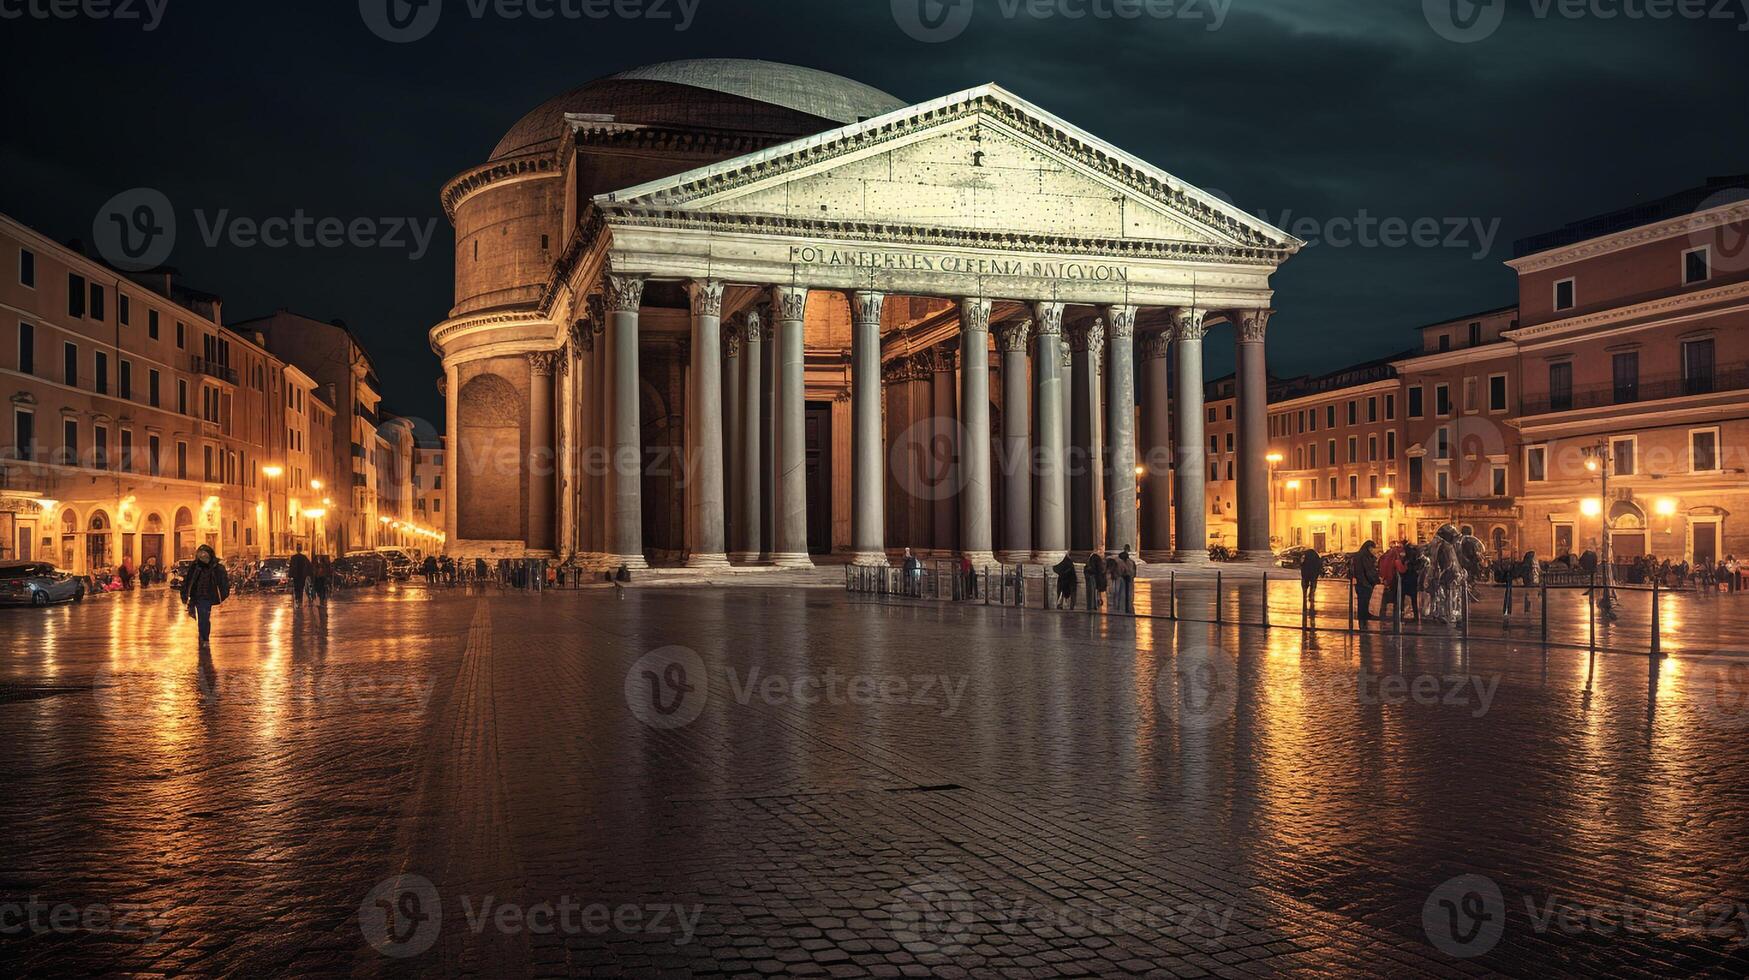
[818, 439]
[1706, 542]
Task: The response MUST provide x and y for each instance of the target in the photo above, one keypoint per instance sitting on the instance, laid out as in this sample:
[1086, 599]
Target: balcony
[1607, 395]
[212, 369]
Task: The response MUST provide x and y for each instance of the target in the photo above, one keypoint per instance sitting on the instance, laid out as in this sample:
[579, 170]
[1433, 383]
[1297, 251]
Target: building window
[1625, 367]
[181, 336]
[152, 387]
[1417, 395]
[181, 396]
[1353, 486]
[1372, 486]
[1372, 409]
[1229, 412]
[27, 268]
[1697, 367]
[124, 384]
[1442, 400]
[1621, 450]
[127, 450]
[1703, 448]
[1214, 444]
[1564, 295]
[1372, 449]
[1311, 420]
[24, 433]
[1444, 342]
[1390, 408]
[1561, 386]
[1442, 480]
[1329, 416]
[152, 324]
[1353, 412]
[123, 311]
[100, 446]
[75, 295]
[1475, 335]
[1332, 446]
[1415, 471]
[1353, 449]
[26, 348]
[1229, 442]
[1536, 464]
[1312, 458]
[70, 364]
[100, 366]
[1697, 265]
[182, 461]
[96, 302]
[1442, 440]
[1333, 490]
[1497, 393]
[1391, 445]
[152, 462]
[70, 442]
[1499, 480]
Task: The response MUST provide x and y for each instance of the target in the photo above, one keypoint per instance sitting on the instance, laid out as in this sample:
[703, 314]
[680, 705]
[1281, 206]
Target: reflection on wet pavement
[756, 781]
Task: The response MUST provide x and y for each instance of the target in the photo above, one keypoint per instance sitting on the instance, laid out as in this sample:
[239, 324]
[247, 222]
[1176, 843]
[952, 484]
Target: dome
[754, 96]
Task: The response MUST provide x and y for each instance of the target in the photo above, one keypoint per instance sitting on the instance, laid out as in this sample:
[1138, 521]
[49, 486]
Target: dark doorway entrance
[819, 443]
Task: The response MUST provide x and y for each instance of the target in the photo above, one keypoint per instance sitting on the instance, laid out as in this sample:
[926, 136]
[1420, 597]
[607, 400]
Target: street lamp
[272, 472]
[1600, 459]
[1274, 460]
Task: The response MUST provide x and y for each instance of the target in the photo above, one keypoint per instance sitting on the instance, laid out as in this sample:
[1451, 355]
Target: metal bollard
[1351, 607]
[1172, 598]
[1217, 598]
[1265, 600]
[1591, 595]
[1545, 591]
[1657, 641]
[1397, 607]
[1465, 612]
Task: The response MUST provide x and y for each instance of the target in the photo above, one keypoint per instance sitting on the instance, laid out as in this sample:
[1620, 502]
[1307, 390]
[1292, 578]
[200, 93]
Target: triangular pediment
[981, 161]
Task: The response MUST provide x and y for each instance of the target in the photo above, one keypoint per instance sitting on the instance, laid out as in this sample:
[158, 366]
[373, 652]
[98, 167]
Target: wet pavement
[759, 781]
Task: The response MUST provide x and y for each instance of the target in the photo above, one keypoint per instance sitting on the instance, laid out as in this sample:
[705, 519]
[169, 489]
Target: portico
[870, 280]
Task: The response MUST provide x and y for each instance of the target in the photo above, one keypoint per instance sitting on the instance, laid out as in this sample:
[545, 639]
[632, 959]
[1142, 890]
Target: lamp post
[1294, 485]
[1600, 459]
[1274, 461]
[272, 472]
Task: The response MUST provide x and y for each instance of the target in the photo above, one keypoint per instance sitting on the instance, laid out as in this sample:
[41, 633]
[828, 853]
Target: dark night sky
[1323, 109]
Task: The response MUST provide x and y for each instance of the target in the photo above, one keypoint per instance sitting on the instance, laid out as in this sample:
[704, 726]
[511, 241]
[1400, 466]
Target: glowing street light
[273, 472]
[1591, 506]
[1666, 507]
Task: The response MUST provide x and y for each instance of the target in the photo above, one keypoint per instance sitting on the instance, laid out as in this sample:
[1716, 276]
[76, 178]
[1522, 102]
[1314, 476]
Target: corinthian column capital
[544, 363]
[1120, 322]
[1088, 336]
[865, 305]
[582, 337]
[624, 293]
[1049, 317]
[1012, 337]
[974, 314]
[1187, 323]
[1251, 325]
[732, 334]
[1155, 346]
[707, 297]
[790, 302]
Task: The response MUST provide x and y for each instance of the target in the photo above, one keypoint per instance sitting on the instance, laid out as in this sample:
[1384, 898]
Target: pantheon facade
[723, 311]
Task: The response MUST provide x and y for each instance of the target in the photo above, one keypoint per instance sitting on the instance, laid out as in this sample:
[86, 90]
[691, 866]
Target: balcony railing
[1606, 395]
[212, 369]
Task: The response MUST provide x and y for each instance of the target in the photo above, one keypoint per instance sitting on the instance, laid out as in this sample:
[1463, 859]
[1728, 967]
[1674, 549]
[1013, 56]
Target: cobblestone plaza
[762, 781]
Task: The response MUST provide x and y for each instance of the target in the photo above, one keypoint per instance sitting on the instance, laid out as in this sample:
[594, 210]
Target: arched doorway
[1627, 537]
[1497, 541]
[152, 541]
[69, 557]
[97, 547]
[183, 535]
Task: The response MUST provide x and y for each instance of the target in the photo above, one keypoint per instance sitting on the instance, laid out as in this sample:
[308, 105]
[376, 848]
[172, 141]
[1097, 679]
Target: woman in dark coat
[1096, 581]
[1066, 582]
[1311, 570]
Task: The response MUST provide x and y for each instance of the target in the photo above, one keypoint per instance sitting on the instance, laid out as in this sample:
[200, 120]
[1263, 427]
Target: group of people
[125, 576]
[1102, 574]
[437, 570]
[311, 577]
[1435, 580]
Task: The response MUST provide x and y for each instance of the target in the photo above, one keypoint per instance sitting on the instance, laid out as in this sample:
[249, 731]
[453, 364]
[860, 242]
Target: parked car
[37, 583]
[362, 568]
[273, 573]
[400, 565]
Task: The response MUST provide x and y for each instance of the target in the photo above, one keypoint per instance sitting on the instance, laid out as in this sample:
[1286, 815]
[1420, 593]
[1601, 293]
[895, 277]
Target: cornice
[1684, 302]
[1688, 224]
[533, 166]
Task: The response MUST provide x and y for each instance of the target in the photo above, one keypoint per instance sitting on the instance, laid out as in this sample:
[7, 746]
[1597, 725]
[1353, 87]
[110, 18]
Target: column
[452, 446]
[1120, 429]
[600, 453]
[563, 483]
[734, 435]
[1052, 541]
[974, 496]
[921, 389]
[750, 518]
[541, 366]
[768, 434]
[1156, 447]
[1252, 414]
[577, 465]
[943, 477]
[625, 520]
[1191, 477]
[1086, 344]
[896, 390]
[705, 545]
[789, 543]
[868, 514]
[1016, 455]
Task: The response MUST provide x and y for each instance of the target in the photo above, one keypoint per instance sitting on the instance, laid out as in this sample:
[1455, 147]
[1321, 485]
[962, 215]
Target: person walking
[1126, 570]
[969, 578]
[1311, 570]
[1391, 568]
[481, 572]
[127, 573]
[429, 567]
[1364, 571]
[913, 569]
[300, 575]
[205, 586]
[1095, 570]
[1065, 570]
[321, 576]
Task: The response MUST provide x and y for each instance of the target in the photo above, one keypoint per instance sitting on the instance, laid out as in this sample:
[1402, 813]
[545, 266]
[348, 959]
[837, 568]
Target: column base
[980, 558]
[1156, 557]
[869, 559]
[633, 563]
[1047, 557]
[798, 559]
[747, 558]
[1263, 558]
[1014, 557]
[718, 560]
[1191, 558]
